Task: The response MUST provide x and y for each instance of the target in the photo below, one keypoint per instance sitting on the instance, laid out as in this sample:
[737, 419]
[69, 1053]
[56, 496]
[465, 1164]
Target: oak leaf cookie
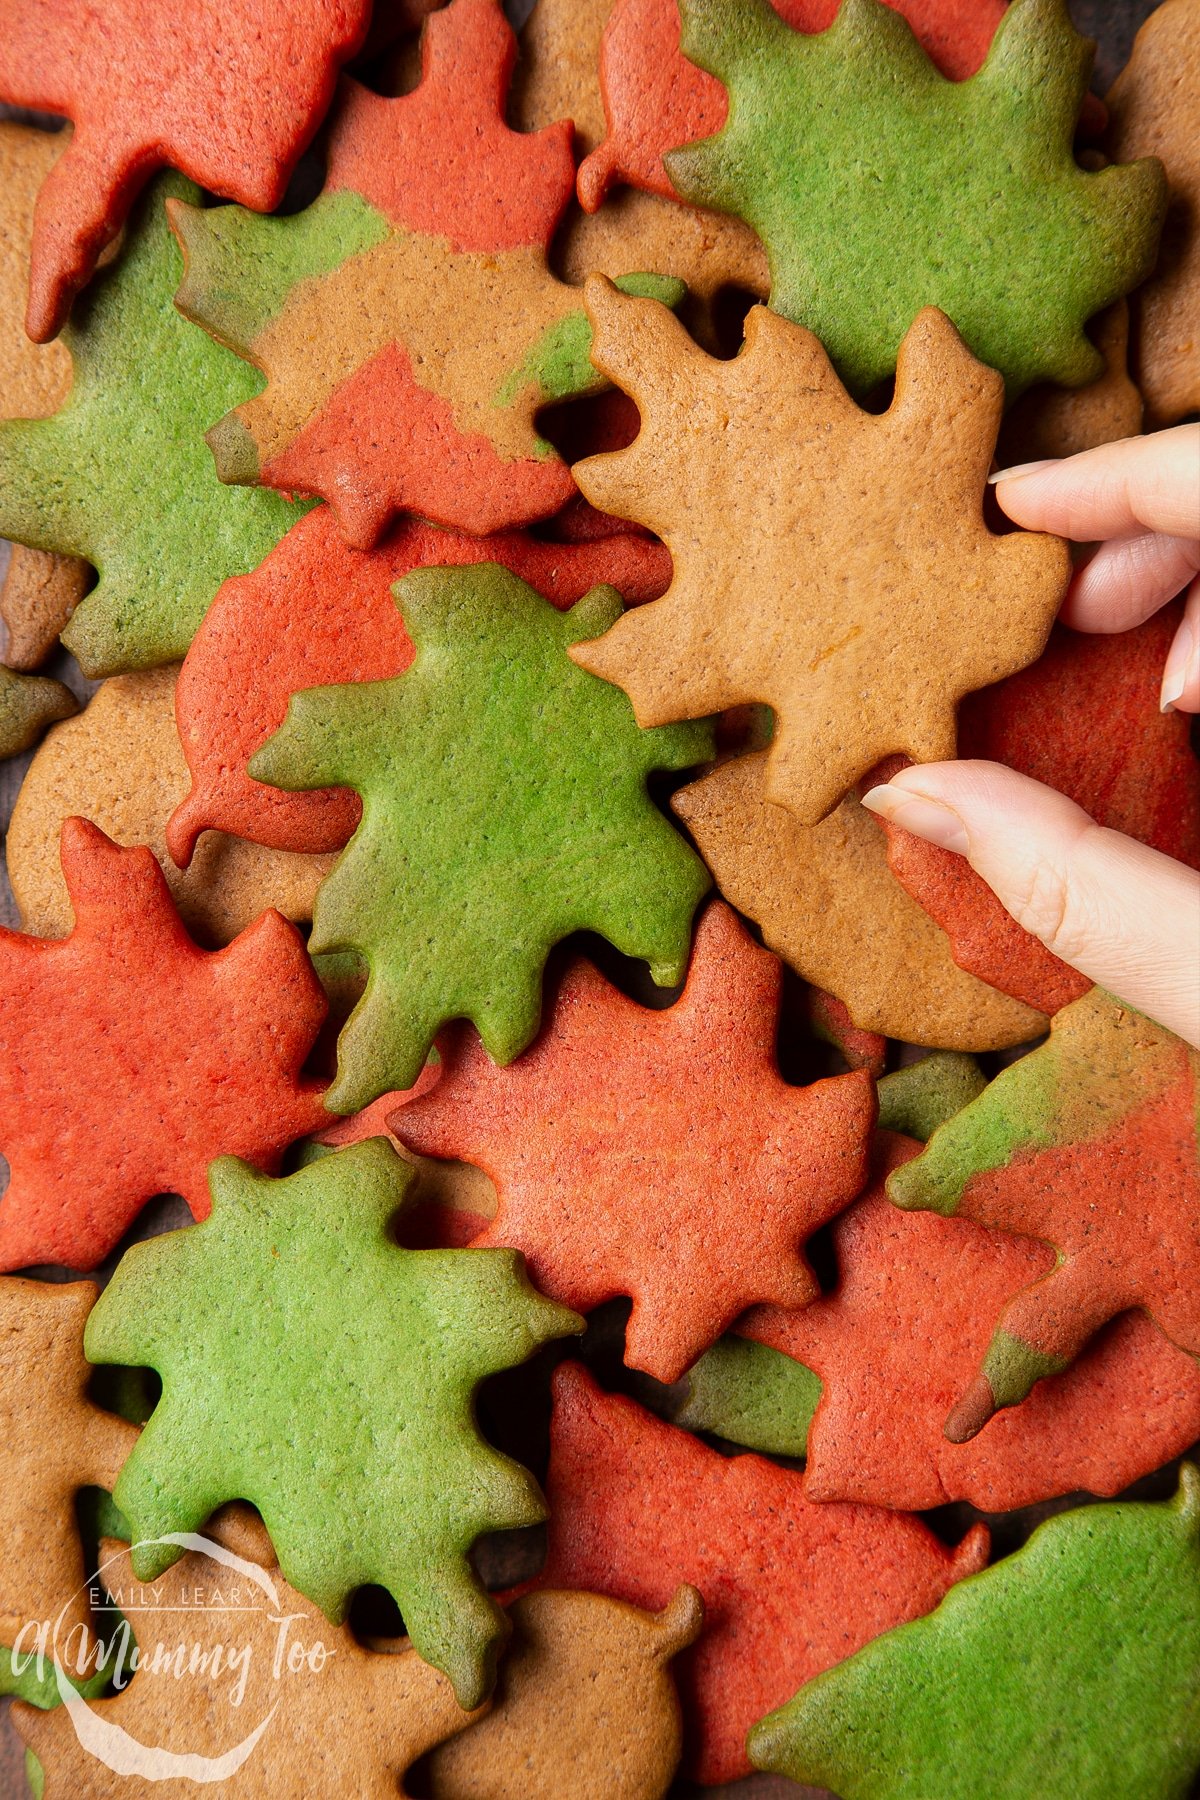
[828, 904]
[251, 1306]
[890, 1349]
[656, 1153]
[789, 1587]
[825, 591]
[406, 321]
[126, 451]
[1085, 719]
[1152, 112]
[655, 100]
[977, 203]
[120, 764]
[1089, 1143]
[329, 1716]
[229, 93]
[1094, 1622]
[505, 806]
[319, 612]
[57, 1442]
[39, 591]
[584, 1705]
[129, 1057]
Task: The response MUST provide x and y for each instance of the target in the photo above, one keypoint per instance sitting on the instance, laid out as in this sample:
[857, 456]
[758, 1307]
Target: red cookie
[900, 1339]
[656, 1153]
[130, 1058]
[789, 1587]
[1084, 719]
[316, 612]
[229, 91]
[655, 100]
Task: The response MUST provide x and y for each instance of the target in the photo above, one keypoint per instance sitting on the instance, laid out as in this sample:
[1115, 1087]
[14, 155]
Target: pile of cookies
[508, 502]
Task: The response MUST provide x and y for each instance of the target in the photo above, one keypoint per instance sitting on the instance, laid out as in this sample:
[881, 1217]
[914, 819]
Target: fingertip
[1181, 672]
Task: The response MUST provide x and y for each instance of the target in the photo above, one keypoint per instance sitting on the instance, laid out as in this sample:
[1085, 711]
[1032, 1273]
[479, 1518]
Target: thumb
[1124, 915]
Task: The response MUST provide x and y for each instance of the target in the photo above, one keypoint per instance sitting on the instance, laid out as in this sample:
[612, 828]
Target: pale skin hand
[1124, 915]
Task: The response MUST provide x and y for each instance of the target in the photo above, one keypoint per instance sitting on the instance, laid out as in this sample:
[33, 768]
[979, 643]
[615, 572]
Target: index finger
[1138, 484]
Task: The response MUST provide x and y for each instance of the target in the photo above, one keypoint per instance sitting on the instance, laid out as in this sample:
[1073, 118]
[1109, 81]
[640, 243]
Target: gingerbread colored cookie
[976, 193]
[1049, 422]
[230, 94]
[1089, 1143]
[557, 75]
[828, 904]
[57, 1441]
[329, 1716]
[126, 450]
[619, 1115]
[505, 806]
[655, 100]
[1152, 113]
[39, 592]
[129, 1057]
[584, 1705]
[29, 705]
[891, 1349]
[384, 1387]
[120, 764]
[407, 322]
[821, 592]
[1068, 1670]
[1084, 719]
[318, 612]
[789, 1587]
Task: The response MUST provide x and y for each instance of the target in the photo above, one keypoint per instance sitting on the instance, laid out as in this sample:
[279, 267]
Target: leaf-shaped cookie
[584, 1705]
[1090, 1143]
[857, 591]
[504, 806]
[56, 1442]
[350, 1428]
[655, 100]
[129, 1057]
[38, 591]
[319, 612]
[656, 1153]
[789, 1587]
[1086, 719]
[230, 93]
[1068, 1670]
[226, 1649]
[29, 705]
[120, 765]
[829, 905]
[977, 203]
[1152, 113]
[125, 453]
[406, 321]
[890, 1350]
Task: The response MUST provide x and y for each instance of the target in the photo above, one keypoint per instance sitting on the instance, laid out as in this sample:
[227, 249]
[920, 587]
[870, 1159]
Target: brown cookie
[1153, 112]
[831, 563]
[120, 764]
[584, 1705]
[1050, 422]
[40, 591]
[827, 902]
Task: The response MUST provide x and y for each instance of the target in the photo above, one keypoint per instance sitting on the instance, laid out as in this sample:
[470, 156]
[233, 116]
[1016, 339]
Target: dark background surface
[1112, 23]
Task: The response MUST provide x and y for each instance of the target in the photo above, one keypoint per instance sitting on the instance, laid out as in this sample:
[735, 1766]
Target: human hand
[1125, 915]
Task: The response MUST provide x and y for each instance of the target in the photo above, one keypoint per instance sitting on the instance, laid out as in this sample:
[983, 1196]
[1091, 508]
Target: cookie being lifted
[829, 562]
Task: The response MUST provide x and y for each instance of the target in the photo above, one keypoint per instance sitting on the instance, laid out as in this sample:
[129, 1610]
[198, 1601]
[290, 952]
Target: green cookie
[923, 1095]
[752, 1395]
[122, 476]
[1068, 1671]
[504, 807]
[879, 187]
[29, 704]
[312, 1366]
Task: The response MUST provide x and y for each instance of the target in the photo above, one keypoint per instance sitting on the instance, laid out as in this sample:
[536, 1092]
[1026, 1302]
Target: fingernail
[1047, 462]
[927, 819]
[1179, 667]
